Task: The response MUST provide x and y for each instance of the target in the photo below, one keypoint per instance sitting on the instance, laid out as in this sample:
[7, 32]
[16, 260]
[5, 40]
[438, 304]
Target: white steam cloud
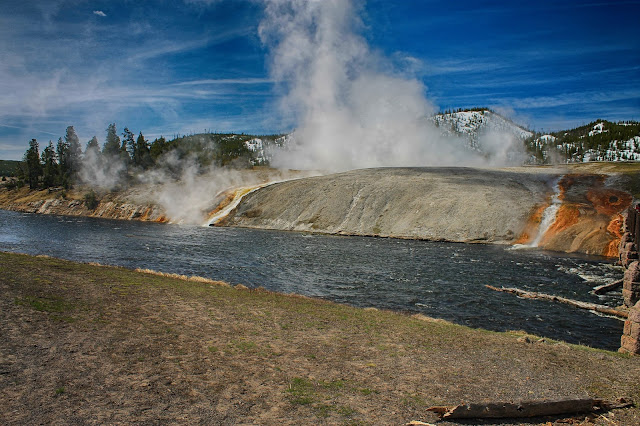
[101, 172]
[349, 108]
[186, 191]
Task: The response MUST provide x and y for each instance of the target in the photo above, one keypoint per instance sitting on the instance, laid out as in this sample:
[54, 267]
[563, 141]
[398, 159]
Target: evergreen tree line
[60, 166]
[65, 164]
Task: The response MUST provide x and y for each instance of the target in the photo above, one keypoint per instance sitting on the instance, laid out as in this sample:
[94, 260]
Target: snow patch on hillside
[617, 151]
[475, 124]
[263, 149]
[597, 129]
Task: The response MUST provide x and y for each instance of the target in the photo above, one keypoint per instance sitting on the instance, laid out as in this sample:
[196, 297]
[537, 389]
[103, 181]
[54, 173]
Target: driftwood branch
[603, 309]
[527, 408]
[605, 288]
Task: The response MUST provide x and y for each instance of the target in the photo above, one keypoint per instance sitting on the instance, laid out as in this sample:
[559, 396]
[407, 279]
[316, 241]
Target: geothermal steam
[349, 108]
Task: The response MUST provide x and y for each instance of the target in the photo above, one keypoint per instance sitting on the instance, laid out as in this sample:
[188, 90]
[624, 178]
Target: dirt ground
[87, 344]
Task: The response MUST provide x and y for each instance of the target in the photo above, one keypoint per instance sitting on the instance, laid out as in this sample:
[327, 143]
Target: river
[438, 279]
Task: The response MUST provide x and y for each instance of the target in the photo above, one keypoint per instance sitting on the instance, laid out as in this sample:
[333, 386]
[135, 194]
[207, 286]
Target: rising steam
[350, 109]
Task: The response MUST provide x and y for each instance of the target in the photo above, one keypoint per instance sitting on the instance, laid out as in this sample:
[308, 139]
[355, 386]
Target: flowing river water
[438, 279]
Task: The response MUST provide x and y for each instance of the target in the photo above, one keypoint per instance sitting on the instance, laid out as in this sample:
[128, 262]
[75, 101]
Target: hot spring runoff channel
[442, 280]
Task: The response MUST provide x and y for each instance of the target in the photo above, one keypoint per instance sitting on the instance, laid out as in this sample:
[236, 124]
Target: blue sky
[170, 67]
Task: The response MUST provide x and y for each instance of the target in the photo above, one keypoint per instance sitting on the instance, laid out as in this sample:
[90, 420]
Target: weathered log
[527, 408]
[605, 288]
[603, 309]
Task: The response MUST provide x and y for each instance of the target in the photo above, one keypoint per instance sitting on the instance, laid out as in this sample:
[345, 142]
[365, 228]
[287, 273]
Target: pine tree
[158, 147]
[62, 151]
[74, 153]
[111, 148]
[93, 146]
[32, 164]
[141, 153]
[50, 166]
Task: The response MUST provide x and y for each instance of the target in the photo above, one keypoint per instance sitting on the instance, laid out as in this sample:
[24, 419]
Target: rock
[633, 272]
[631, 283]
[629, 345]
[630, 296]
[630, 341]
[453, 204]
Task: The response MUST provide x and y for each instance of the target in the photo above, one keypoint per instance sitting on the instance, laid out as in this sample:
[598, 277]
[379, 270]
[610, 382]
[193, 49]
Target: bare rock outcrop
[453, 204]
[109, 206]
[448, 203]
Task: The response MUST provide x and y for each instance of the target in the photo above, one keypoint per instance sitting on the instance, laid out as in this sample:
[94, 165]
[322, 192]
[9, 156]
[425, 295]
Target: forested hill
[9, 167]
[69, 160]
[600, 140]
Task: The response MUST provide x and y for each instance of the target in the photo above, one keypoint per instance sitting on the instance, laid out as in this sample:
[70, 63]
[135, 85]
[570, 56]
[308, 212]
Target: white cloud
[575, 98]
[227, 81]
[99, 13]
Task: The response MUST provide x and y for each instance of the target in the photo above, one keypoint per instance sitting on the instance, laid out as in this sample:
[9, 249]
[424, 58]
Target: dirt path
[83, 344]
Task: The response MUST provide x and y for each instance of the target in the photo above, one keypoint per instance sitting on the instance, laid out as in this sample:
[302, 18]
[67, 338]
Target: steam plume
[349, 108]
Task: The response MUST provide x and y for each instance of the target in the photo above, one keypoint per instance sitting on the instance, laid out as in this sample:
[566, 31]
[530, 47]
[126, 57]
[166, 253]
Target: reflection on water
[443, 280]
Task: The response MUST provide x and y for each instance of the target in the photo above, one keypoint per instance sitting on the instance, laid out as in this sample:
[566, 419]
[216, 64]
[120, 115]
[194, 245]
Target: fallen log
[603, 309]
[527, 408]
[605, 288]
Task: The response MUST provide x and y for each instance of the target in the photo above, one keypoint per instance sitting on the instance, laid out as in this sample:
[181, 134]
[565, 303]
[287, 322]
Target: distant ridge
[600, 140]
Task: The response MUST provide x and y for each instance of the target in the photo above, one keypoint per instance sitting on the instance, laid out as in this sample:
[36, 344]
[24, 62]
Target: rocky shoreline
[71, 203]
[503, 206]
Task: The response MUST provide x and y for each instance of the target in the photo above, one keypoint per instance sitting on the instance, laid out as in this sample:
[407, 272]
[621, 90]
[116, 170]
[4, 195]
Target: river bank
[470, 205]
[503, 206]
[86, 343]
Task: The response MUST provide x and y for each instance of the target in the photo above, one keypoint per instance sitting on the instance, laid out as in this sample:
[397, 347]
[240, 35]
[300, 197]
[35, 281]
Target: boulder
[633, 272]
[630, 342]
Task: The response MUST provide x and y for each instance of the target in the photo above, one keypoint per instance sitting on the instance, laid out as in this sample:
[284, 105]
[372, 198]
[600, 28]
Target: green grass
[42, 304]
[301, 391]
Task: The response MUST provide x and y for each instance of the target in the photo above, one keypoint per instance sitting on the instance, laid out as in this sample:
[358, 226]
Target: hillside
[482, 129]
[600, 140]
[9, 167]
[475, 124]
[488, 134]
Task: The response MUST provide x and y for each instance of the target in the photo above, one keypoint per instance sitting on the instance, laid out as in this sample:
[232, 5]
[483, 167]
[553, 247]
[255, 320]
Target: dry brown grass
[86, 344]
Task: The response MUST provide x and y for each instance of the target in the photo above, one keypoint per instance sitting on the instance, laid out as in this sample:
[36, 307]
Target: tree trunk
[603, 309]
[526, 408]
[602, 289]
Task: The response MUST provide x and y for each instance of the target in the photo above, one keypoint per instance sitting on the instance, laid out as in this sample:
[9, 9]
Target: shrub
[91, 200]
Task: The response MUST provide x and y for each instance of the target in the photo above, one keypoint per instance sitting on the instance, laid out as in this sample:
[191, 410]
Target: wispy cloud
[28, 128]
[574, 98]
[225, 81]
[99, 13]
[155, 48]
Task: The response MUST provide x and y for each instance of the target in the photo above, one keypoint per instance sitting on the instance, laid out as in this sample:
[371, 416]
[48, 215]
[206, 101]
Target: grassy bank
[85, 343]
